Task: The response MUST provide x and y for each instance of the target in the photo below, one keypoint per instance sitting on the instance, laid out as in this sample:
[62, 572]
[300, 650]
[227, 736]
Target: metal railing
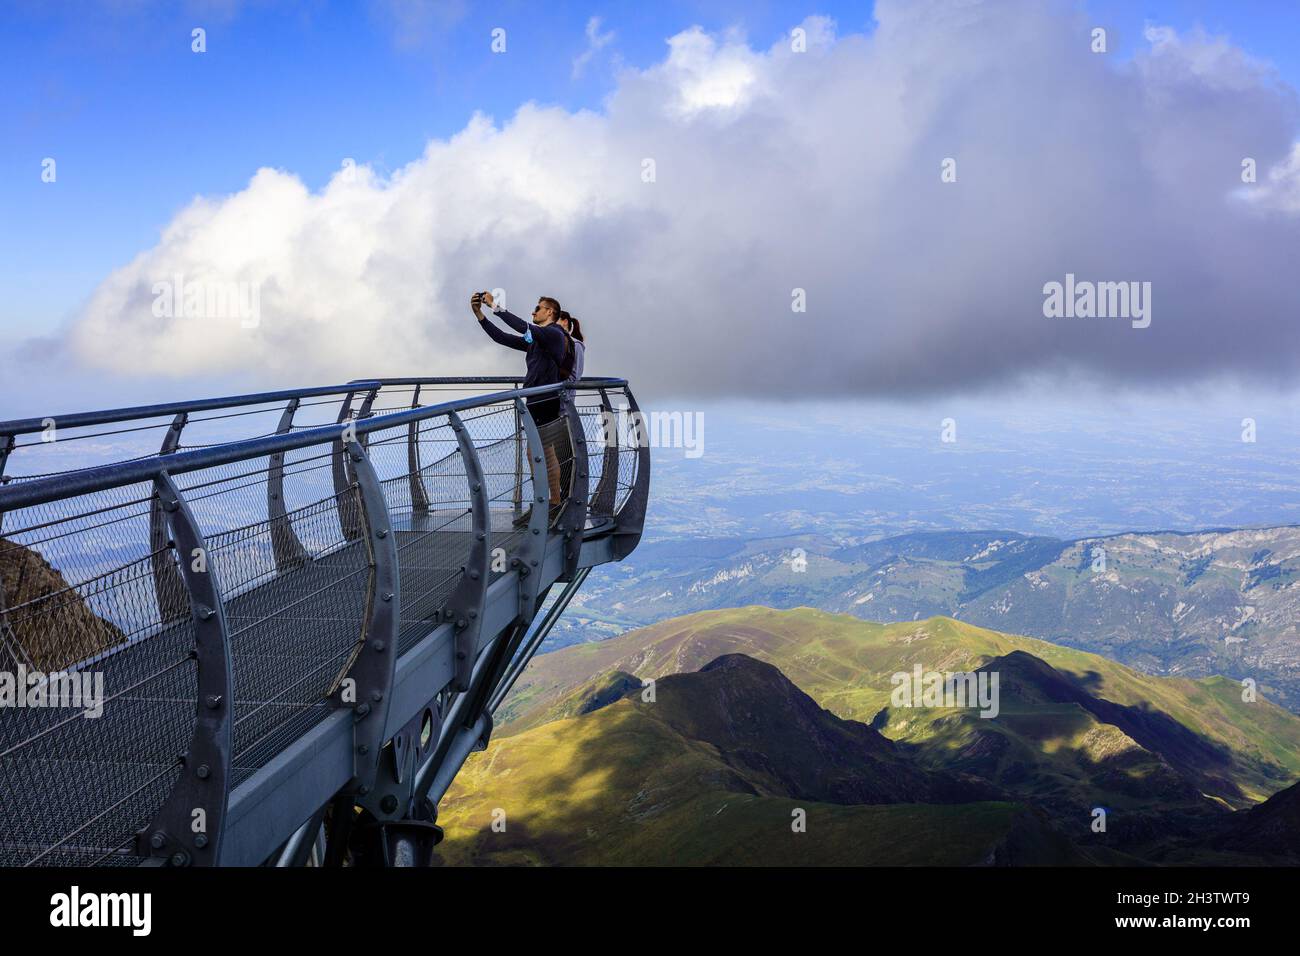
[229, 606]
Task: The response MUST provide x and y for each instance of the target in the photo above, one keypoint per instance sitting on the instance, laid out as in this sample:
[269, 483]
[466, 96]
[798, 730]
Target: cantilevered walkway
[301, 609]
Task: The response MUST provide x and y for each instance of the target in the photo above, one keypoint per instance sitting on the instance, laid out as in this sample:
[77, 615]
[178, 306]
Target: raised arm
[512, 320]
[495, 334]
[501, 337]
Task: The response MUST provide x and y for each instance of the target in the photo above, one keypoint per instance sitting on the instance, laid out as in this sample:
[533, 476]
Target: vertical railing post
[339, 474]
[166, 578]
[287, 549]
[573, 519]
[349, 516]
[419, 497]
[373, 669]
[465, 605]
[7, 444]
[187, 830]
[364, 412]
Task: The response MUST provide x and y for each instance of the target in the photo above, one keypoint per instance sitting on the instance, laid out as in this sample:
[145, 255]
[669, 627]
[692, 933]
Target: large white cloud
[777, 170]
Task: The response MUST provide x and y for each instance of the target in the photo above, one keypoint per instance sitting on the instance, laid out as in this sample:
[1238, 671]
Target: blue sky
[139, 125]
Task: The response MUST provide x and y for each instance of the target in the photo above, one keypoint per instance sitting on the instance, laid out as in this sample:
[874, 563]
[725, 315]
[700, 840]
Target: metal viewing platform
[273, 637]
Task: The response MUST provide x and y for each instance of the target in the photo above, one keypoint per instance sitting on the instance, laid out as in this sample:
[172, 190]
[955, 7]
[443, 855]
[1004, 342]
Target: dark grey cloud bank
[778, 170]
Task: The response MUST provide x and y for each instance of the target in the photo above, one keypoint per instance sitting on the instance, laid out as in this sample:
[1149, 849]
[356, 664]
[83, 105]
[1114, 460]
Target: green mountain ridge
[1167, 759]
[714, 770]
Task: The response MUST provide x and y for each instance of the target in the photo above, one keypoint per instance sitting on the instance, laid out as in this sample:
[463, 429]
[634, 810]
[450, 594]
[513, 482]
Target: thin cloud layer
[722, 185]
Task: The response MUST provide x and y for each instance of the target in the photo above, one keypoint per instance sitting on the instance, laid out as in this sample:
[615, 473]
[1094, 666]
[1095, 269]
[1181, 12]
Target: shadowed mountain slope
[714, 770]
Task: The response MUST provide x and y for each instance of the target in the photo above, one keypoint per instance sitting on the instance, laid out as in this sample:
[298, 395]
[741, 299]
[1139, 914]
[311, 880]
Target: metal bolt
[363, 749]
[473, 575]
[362, 709]
[205, 613]
[158, 840]
[460, 624]
[388, 595]
[473, 615]
[170, 505]
[378, 645]
[382, 533]
[203, 772]
[213, 701]
[534, 562]
[201, 841]
[480, 536]
[180, 858]
[537, 531]
[460, 655]
[376, 695]
[388, 804]
[363, 790]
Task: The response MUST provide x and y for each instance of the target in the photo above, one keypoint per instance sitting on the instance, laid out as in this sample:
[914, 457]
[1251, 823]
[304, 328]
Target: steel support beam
[534, 639]
[189, 827]
[167, 583]
[349, 516]
[369, 681]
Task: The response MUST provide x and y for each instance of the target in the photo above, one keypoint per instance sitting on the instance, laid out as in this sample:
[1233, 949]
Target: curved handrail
[114, 416]
[119, 474]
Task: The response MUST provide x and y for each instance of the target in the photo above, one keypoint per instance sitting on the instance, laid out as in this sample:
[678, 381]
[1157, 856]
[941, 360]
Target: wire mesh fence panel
[100, 696]
[295, 626]
[207, 429]
[501, 441]
[557, 449]
[426, 486]
[601, 437]
[628, 434]
[57, 450]
[308, 478]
